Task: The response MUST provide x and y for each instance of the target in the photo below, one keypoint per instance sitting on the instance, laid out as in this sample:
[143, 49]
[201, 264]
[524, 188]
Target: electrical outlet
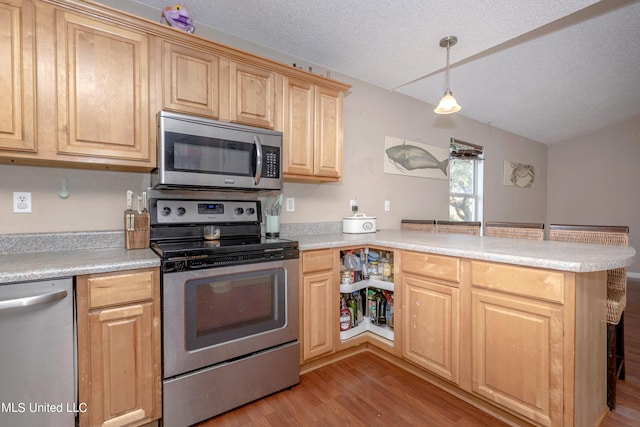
[387, 205]
[291, 204]
[21, 202]
[352, 203]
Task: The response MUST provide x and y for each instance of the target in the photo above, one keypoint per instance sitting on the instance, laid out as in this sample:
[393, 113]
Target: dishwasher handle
[33, 300]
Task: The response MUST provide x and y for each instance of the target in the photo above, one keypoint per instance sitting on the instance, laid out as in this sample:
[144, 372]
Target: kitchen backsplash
[297, 229]
[64, 241]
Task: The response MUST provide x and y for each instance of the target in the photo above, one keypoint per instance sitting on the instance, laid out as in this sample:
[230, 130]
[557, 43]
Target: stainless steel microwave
[198, 152]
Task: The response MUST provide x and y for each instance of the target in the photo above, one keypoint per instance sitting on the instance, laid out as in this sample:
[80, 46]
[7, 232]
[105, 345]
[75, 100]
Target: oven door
[219, 314]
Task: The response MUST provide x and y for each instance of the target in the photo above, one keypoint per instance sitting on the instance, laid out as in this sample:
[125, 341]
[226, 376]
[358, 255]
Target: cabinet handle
[33, 300]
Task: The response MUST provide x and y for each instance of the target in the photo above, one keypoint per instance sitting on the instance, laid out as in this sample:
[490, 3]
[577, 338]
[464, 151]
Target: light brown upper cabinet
[103, 89]
[190, 82]
[17, 76]
[93, 89]
[312, 131]
[251, 95]
[102, 75]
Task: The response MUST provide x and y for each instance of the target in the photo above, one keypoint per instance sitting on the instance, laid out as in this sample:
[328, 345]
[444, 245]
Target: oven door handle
[33, 300]
[256, 141]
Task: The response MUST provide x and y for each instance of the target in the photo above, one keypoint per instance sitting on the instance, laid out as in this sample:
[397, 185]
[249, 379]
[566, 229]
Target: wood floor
[365, 390]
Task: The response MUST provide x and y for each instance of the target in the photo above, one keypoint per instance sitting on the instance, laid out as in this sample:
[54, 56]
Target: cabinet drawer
[114, 289]
[317, 260]
[529, 282]
[435, 266]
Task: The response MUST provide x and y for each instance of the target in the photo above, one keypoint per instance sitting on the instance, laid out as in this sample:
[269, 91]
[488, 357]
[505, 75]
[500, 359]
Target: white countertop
[562, 256]
[33, 266]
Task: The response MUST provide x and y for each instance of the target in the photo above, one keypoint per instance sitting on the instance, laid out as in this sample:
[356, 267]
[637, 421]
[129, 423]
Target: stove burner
[180, 239]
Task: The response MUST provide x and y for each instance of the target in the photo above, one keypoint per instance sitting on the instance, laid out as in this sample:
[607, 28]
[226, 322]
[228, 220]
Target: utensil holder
[136, 229]
[272, 227]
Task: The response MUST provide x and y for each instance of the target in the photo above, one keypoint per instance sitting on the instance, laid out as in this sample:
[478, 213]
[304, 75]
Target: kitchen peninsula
[515, 327]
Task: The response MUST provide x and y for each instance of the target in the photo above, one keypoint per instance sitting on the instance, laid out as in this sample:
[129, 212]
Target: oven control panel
[174, 211]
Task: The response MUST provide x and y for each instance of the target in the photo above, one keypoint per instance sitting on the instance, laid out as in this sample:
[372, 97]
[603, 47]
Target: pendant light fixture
[448, 103]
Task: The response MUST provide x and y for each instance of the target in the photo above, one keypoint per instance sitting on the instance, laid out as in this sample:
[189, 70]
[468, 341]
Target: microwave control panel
[270, 162]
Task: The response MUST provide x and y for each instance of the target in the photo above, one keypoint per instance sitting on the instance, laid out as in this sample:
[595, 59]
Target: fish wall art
[518, 174]
[414, 158]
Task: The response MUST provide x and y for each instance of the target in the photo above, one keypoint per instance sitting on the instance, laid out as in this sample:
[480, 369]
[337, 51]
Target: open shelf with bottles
[366, 293]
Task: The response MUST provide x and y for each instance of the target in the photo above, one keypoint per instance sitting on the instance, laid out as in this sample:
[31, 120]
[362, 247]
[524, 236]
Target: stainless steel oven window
[225, 308]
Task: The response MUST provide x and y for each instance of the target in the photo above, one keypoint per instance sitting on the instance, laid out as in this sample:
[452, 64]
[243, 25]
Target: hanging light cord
[448, 70]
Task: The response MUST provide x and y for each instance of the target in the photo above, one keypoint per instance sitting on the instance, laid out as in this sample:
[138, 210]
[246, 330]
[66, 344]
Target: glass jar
[346, 277]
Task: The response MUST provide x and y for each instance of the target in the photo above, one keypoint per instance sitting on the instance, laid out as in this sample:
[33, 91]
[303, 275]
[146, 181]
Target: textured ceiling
[544, 69]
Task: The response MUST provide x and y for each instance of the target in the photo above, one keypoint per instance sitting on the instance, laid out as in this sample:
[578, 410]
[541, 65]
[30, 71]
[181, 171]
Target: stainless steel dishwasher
[37, 354]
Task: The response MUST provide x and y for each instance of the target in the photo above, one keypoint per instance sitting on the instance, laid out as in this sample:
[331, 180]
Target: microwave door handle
[256, 141]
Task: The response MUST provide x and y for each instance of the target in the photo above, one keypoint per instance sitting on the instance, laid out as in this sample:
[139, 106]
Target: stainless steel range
[229, 305]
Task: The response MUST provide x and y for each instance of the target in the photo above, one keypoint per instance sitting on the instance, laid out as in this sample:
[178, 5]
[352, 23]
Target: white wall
[595, 179]
[97, 199]
[370, 114]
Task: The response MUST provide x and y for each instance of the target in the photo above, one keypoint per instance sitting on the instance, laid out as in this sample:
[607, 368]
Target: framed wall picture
[518, 174]
[414, 158]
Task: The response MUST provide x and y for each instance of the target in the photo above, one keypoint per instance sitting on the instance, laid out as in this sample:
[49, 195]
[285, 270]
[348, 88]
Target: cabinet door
[517, 348]
[318, 314]
[190, 80]
[102, 89]
[17, 70]
[431, 326]
[252, 95]
[328, 133]
[299, 133]
[121, 365]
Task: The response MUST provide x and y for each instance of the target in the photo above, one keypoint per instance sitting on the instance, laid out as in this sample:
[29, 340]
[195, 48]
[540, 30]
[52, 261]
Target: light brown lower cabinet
[431, 326]
[119, 366]
[518, 360]
[526, 344]
[318, 305]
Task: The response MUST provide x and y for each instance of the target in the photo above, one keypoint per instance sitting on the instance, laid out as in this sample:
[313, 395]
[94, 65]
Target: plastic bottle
[364, 254]
[390, 309]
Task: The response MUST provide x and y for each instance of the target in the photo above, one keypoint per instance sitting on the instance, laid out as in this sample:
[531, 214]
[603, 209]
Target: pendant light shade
[448, 103]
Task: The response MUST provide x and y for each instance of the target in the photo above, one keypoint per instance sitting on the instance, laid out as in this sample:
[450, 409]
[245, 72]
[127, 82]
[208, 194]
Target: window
[465, 181]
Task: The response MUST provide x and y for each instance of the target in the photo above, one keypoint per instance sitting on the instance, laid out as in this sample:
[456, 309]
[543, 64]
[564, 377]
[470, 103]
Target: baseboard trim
[632, 275]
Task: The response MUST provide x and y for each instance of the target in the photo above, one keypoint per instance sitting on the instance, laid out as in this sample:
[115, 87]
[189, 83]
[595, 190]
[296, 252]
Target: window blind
[465, 150]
